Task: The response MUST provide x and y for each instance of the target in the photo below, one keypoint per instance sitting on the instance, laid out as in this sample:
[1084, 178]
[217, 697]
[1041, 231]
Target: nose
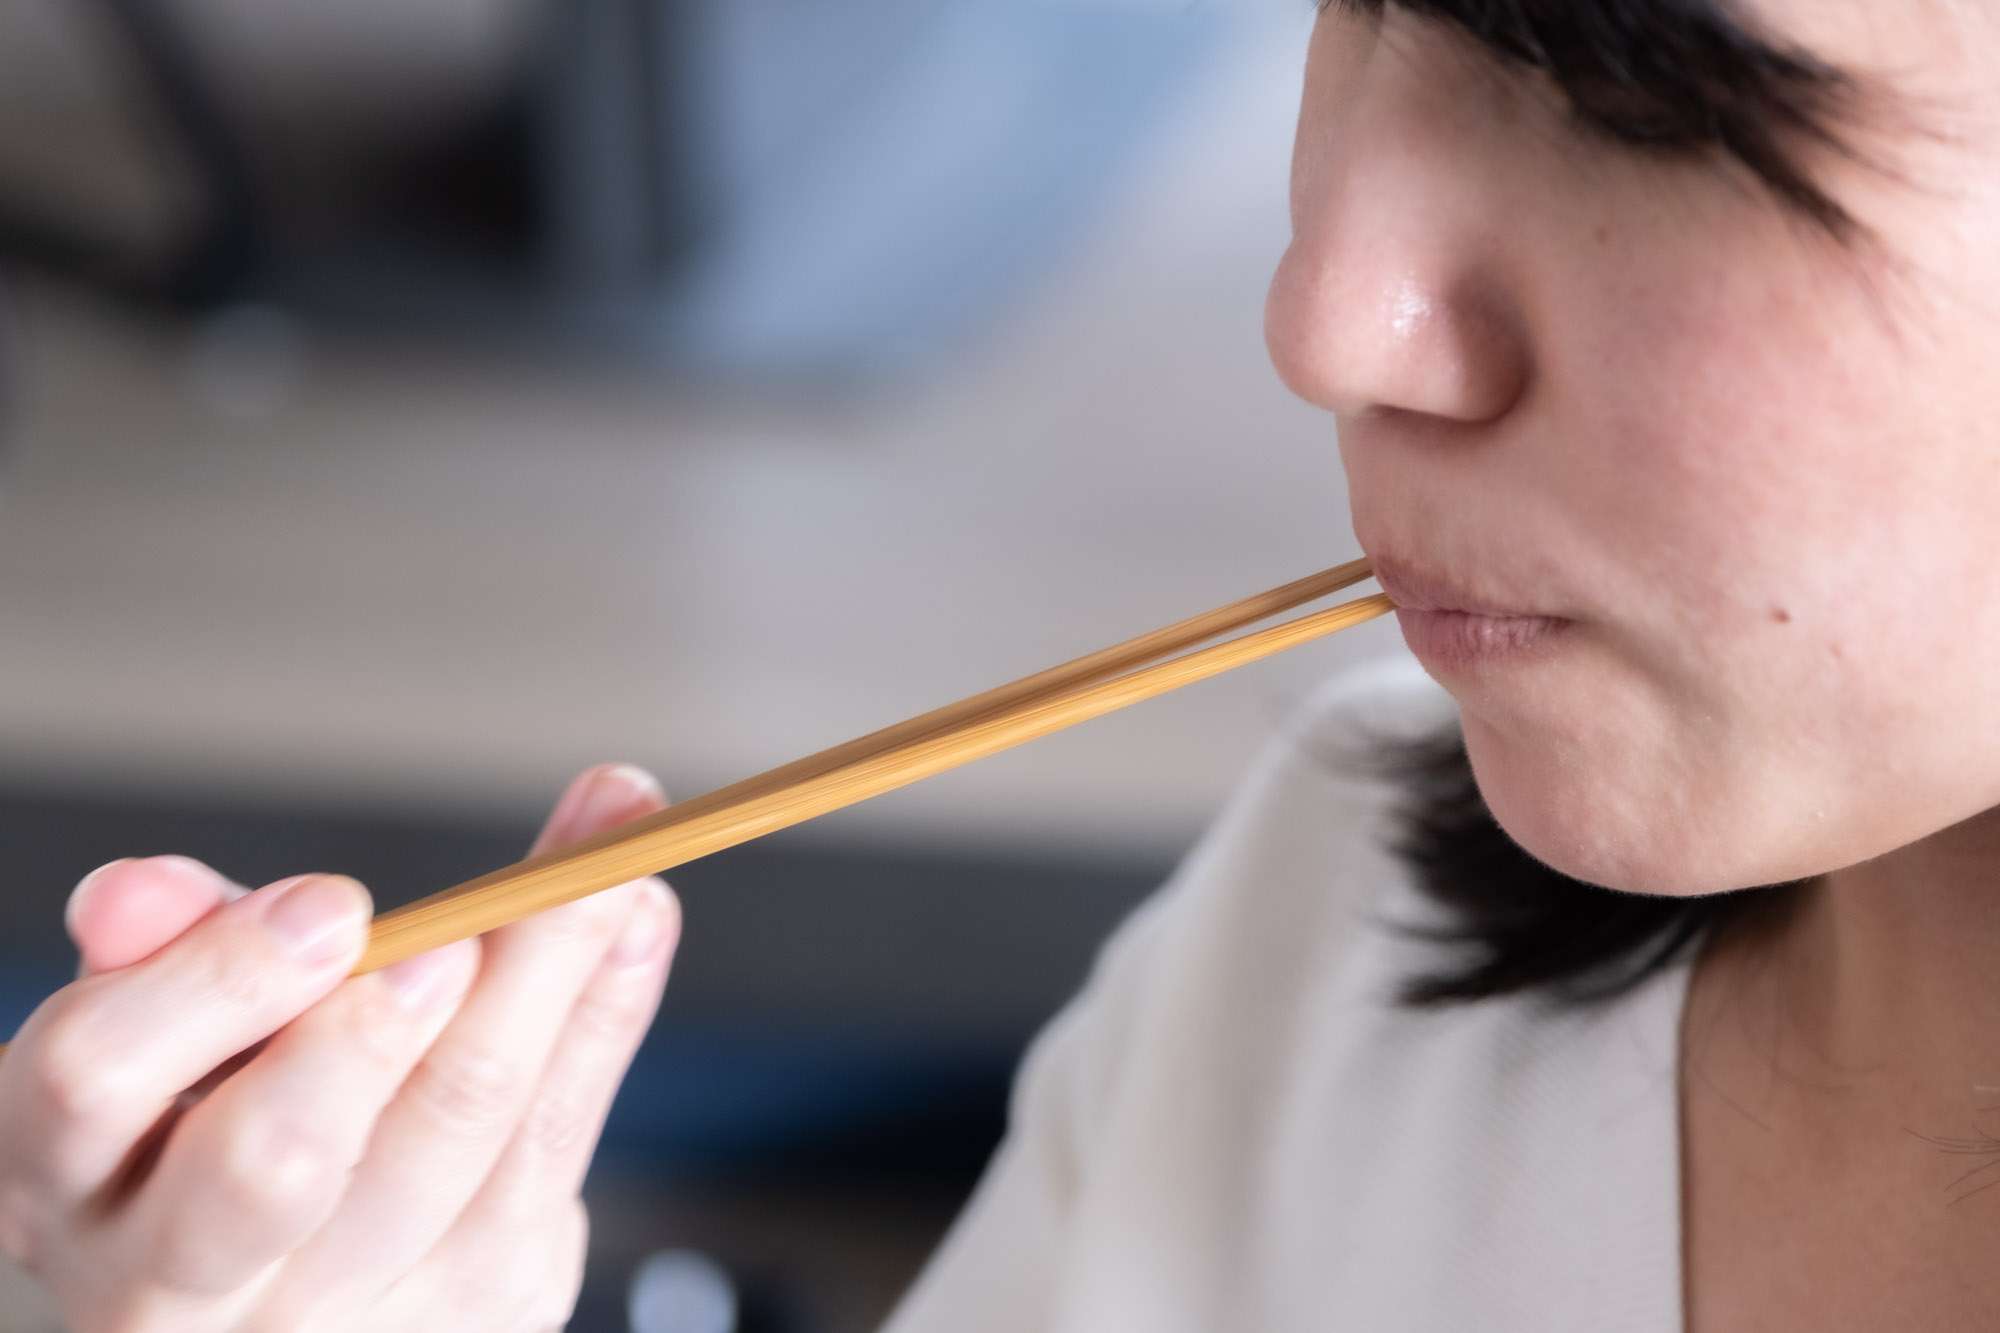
[1362, 334]
[1393, 294]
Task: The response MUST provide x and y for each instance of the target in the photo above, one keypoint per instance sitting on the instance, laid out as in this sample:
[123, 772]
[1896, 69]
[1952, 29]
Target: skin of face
[1760, 471]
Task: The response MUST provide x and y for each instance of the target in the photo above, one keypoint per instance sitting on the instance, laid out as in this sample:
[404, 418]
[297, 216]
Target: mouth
[1414, 588]
[1452, 628]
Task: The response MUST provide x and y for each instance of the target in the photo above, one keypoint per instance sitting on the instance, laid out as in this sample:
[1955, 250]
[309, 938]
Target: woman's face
[1759, 470]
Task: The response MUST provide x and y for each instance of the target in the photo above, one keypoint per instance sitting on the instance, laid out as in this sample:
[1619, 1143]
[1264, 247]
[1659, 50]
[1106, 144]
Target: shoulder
[1395, 693]
[1271, 904]
[1307, 833]
[1313, 787]
[1302, 845]
[1238, 1069]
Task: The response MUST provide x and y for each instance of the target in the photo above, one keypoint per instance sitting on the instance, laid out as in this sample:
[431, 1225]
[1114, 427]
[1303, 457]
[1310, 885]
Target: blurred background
[408, 403]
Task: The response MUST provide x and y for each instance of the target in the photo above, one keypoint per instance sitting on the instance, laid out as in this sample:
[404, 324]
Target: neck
[1840, 1056]
[1874, 992]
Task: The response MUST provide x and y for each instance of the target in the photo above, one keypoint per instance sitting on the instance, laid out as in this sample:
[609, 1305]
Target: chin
[1583, 814]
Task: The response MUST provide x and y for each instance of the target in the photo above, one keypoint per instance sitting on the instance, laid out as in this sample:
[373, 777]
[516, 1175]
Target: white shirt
[1233, 1126]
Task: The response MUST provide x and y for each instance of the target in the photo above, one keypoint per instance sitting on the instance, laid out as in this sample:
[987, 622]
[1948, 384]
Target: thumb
[126, 911]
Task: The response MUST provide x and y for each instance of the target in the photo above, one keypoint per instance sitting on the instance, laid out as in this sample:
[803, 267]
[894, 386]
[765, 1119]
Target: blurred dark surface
[829, 1071]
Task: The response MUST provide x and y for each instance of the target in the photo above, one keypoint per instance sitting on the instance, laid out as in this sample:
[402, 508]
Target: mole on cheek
[1779, 615]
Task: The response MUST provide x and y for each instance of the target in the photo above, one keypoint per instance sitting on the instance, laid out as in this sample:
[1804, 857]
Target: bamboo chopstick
[984, 724]
[1099, 665]
[663, 841]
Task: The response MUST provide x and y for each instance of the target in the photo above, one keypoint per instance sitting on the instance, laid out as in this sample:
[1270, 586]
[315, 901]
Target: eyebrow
[1675, 75]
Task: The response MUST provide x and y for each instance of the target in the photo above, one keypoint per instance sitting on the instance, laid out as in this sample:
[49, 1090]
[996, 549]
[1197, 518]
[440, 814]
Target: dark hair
[1677, 76]
[1513, 924]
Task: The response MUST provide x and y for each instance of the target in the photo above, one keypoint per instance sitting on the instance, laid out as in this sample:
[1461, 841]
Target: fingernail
[640, 940]
[202, 873]
[84, 888]
[318, 917]
[185, 865]
[417, 981]
[615, 788]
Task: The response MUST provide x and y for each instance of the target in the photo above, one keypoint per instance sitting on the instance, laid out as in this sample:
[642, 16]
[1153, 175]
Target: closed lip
[1414, 588]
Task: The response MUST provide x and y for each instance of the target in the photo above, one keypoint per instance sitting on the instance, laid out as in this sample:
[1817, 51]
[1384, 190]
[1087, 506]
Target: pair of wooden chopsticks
[881, 761]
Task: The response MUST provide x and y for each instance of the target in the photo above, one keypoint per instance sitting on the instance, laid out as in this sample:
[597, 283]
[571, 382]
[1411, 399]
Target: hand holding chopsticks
[217, 1128]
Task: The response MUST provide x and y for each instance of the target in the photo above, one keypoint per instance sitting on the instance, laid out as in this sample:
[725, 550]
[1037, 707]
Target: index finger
[105, 1058]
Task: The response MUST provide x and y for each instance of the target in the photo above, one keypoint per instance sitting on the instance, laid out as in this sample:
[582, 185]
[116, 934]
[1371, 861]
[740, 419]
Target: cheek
[1801, 627]
[1729, 450]
[1783, 489]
